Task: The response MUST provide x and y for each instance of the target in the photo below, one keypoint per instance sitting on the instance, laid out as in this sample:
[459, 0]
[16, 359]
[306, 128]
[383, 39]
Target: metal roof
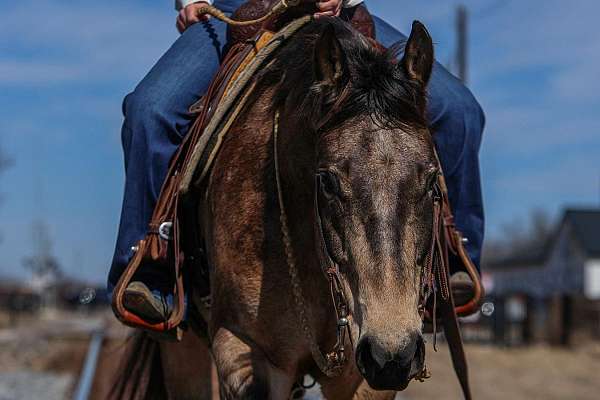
[586, 229]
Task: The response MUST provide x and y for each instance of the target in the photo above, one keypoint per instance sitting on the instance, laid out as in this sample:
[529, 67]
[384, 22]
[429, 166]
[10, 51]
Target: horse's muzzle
[386, 371]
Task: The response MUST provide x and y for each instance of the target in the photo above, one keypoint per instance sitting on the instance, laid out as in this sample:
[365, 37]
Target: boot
[152, 306]
[463, 290]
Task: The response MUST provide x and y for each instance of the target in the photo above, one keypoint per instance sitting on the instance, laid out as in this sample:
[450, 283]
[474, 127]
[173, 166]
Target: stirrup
[428, 323]
[136, 295]
[133, 320]
[140, 300]
[471, 306]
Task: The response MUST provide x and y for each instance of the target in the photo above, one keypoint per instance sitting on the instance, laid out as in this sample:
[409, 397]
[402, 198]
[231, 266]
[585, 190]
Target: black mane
[376, 84]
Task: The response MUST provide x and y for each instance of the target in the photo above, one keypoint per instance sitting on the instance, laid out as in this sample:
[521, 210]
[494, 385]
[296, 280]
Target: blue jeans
[157, 118]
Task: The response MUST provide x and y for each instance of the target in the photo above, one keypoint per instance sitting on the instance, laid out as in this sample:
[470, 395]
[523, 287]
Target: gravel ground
[36, 364]
[315, 394]
[522, 373]
[41, 357]
[25, 385]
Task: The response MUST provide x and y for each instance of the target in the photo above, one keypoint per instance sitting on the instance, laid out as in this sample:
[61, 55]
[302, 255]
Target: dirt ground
[40, 368]
[37, 352]
[538, 372]
[41, 356]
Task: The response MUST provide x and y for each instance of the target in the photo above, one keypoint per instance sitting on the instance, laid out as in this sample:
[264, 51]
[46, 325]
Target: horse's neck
[244, 232]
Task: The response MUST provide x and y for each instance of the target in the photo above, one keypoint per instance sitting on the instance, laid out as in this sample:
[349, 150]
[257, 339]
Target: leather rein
[331, 363]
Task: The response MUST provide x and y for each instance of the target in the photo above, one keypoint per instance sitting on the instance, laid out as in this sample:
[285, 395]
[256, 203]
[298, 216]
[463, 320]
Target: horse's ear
[418, 54]
[329, 58]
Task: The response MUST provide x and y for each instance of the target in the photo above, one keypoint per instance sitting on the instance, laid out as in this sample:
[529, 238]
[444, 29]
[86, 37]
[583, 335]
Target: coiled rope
[277, 9]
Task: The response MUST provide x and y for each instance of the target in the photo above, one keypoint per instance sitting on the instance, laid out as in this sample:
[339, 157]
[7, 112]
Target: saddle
[173, 242]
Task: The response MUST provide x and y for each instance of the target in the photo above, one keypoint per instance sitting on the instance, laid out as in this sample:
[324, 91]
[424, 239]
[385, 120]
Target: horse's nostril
[363, 359]
[390, 370]
[371, 354]
[419, 358]
[419, 349]
[406, 355]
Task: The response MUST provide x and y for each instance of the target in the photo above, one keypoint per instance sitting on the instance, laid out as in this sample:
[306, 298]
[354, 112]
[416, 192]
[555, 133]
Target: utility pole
[462, 44]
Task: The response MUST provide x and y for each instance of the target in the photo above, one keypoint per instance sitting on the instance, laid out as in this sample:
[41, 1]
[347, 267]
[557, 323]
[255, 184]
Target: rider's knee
[148, 113]
[139, 107]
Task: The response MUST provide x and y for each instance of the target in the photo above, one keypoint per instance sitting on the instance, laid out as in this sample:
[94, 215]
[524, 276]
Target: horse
[331, 161]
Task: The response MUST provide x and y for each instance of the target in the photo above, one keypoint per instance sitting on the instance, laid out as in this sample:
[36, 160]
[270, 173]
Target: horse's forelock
[376, 84]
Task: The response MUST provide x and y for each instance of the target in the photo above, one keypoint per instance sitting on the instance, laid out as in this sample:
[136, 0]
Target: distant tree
[5, 163]
[42, 263]
[520, 237]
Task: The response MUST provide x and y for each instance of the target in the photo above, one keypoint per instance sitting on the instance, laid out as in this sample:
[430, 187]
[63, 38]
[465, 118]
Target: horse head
[372, 165]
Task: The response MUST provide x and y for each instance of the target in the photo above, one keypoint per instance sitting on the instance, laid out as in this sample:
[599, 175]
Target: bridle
[332, 362]
[434, 278]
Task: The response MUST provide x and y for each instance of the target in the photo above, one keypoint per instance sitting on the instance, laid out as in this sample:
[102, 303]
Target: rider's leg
[457, 122]
[156, 120]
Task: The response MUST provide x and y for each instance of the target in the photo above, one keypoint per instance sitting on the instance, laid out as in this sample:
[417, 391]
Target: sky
[65, 67]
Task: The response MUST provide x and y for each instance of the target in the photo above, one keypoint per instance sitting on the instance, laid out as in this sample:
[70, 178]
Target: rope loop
[278, 9]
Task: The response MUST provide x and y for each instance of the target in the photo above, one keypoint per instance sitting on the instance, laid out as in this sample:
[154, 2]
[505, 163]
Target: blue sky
[65, 67]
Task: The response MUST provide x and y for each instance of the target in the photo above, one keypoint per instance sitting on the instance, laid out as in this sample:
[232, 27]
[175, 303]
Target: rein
[331, 363]
[434, 278]
[278, 9]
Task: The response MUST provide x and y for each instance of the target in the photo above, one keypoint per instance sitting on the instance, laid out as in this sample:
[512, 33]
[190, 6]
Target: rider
[156, 120]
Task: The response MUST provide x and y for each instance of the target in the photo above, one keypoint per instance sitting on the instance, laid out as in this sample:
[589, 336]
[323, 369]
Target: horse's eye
[328, 184]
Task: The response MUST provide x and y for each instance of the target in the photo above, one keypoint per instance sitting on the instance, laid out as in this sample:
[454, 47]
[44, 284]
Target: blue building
[550, 291]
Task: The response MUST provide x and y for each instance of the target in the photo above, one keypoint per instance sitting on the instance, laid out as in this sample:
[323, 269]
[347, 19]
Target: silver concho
[164, 230]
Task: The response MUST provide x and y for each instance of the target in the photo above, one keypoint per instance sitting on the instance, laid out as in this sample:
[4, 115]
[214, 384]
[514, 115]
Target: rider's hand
[329, 8]
[189, 15]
